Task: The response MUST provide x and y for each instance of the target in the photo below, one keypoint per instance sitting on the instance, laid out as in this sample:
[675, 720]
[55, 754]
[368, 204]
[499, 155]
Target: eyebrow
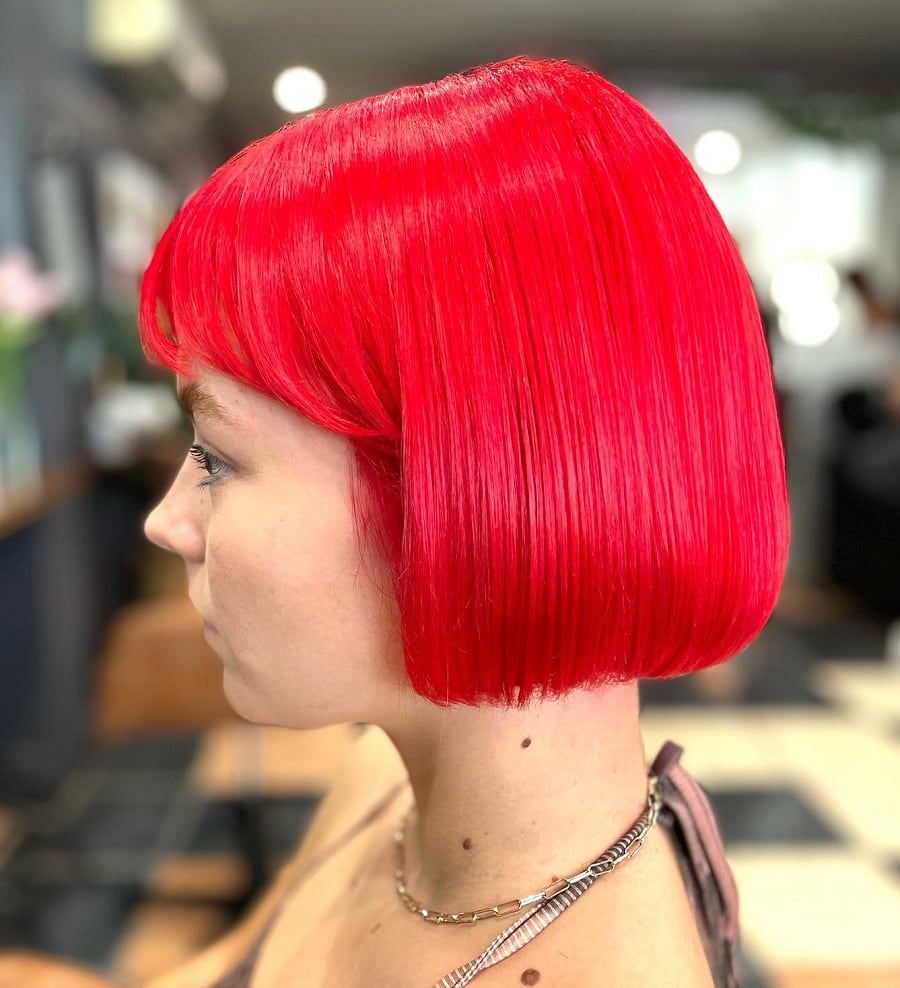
[194, 400]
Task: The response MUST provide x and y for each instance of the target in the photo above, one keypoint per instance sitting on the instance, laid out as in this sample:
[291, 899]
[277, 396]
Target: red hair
[511, 292]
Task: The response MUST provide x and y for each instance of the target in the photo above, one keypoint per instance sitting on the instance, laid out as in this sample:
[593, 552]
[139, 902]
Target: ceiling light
[717, 152]
[299, 89]
[801, 281]
[805, 289]
[812, 326]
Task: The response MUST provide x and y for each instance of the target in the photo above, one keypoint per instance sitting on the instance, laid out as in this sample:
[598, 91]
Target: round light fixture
[717, 152]
[798, 281]
[810, 327]
[805, 289]
[299, 89]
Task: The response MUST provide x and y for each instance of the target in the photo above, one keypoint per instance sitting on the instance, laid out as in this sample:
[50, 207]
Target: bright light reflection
[299, 89]
[717, 152]
[799, 282]
[811, 325]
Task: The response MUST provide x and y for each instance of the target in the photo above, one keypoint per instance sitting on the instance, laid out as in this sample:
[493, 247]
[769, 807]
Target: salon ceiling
[364, 47]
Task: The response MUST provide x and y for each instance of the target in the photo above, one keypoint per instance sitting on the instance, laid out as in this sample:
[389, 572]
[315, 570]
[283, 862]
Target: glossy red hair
[511, 292]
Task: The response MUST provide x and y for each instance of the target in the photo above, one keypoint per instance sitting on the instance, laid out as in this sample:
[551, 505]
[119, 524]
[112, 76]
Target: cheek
[253, 571]
[306, 633]
[282, 573]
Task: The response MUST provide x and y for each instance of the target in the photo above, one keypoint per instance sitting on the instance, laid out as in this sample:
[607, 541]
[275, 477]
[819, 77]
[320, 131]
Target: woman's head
[510, 294]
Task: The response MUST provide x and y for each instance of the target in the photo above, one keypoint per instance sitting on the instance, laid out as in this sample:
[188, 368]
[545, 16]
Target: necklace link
[626, 847]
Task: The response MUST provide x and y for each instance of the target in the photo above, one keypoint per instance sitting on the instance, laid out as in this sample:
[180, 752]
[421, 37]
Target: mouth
[207, 625]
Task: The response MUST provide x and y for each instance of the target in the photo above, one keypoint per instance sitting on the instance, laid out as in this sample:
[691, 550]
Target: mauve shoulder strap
[707, 875]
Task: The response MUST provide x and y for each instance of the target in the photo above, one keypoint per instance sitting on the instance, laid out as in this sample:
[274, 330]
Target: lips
[207, 625]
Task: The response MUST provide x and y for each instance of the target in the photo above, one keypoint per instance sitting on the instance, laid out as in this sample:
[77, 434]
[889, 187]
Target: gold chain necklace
[627, 846]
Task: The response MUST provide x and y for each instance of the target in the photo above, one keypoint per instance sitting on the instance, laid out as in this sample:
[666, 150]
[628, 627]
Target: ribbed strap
[514, 937]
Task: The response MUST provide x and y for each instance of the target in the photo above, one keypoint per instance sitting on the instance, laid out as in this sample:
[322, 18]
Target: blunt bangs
[512, 294]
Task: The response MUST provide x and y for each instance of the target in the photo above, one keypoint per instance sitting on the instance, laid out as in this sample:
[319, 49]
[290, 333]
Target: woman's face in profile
[260, 513]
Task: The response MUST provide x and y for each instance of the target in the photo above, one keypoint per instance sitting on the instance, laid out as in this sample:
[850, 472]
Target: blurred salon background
[137, 815]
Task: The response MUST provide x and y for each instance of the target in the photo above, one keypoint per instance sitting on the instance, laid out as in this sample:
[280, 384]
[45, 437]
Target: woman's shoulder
[366, 775]
[369, 772]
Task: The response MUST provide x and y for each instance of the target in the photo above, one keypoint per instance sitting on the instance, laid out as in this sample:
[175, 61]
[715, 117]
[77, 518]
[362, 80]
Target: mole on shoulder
[530, 977]
[526, 742]
[377, 926]
[467, 844]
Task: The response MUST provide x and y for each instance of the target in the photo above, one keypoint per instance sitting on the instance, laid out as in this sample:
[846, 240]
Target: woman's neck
[508, 800]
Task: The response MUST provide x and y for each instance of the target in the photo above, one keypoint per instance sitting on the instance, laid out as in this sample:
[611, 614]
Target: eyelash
[214, 467]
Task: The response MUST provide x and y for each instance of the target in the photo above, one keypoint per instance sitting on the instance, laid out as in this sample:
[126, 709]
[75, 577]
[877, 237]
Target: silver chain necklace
[627, 846]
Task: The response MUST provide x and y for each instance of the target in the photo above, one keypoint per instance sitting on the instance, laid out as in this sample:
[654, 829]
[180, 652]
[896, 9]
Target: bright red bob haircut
[510, 291]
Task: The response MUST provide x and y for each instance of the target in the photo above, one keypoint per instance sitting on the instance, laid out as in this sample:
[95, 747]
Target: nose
[177, 523]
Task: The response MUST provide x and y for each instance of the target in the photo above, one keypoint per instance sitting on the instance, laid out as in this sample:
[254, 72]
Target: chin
[269, 711]
[241, 699]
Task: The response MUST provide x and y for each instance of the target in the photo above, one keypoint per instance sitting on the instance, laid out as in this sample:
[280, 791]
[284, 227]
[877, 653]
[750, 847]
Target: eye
[214, 466]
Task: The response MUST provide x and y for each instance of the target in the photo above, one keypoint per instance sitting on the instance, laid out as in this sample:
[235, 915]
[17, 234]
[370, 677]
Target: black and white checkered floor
[149, 848]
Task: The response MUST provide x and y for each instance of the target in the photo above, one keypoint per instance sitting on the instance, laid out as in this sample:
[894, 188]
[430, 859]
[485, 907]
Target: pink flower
[26, 295]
